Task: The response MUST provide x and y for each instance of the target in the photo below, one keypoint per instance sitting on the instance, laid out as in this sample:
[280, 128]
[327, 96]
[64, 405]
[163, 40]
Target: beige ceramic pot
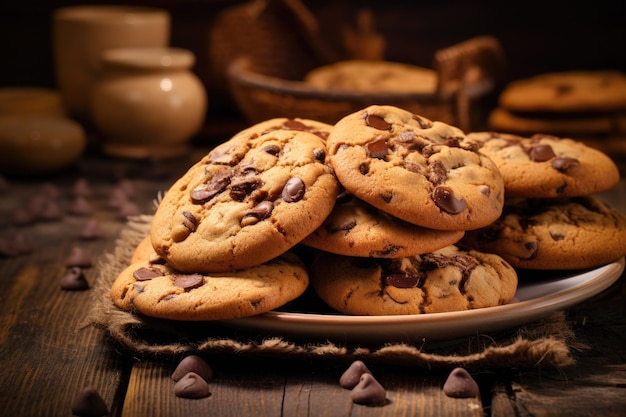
[148, 103]
[31, 101]
[82, 33]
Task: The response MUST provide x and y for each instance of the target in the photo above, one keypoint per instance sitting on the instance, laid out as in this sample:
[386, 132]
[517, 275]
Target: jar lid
[148, 57]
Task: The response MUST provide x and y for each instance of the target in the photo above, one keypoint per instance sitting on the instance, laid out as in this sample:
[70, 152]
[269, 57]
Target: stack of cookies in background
[552, 219]
[584, 105]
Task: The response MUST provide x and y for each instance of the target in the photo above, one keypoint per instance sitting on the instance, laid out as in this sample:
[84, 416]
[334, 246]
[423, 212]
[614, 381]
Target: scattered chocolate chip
[88, 403]
[564, 164]
[188, 281]
[22, 244]
[74, 280]
[117, 198]
[22, 217]
[368, 391]
[8, 249]
[90, 231]
[78, 257]
[81, 188]
[444, 199]
[192, 386]
[49, 190]
[193, 363]
[460, 384]
[351, 377]
[127, 209]
[293, 190]
[127, 187]
[146, 274]
[377, 122]
[50, 211]
[4, 184]
[80, 206]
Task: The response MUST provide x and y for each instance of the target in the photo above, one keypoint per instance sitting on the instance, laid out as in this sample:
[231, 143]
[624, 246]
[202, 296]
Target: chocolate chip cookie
[355, 228]
[246, 202]
[424, 172]
[567, 233]
[156, 289]
[373, 76]
[446, 280]
[567, 91]
[544, 166]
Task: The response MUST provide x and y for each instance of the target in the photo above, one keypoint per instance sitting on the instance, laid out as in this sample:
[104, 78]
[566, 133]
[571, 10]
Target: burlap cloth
[549, 342]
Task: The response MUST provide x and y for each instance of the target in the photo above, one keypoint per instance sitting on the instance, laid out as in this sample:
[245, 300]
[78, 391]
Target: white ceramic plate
[536, 297]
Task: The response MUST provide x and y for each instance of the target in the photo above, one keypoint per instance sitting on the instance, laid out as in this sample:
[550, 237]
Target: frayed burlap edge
[545, 343]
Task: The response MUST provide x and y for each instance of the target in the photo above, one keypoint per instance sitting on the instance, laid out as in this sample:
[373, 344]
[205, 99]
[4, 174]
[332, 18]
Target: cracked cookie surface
[424, 172]
[446, 280]
[568, 233]
[545, 166]
[155, 289]
[249, 200]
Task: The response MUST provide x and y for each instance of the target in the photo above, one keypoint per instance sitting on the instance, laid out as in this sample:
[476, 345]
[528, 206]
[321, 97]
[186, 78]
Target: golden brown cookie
[373, 76]
[355, 228]
[424, 172]
[567, 91]
[158, 290]
[568, 233]
[246, 202]
[446, 280]
[143, 251]
[544, 166]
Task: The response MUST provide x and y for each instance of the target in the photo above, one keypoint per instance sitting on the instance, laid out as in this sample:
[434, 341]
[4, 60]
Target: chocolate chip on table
[460, 384]
[193, 363]
[78, 257]
[127, 209]
[81, 188]
[88, 403]
[351, 377]
[91, 230]
[50, 211]
[80, 206]
[21, 216]
[74, 280]
[192, 386]
[368, 391]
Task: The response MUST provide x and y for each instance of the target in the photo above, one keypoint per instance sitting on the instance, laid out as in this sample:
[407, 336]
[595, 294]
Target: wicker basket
[467, 72]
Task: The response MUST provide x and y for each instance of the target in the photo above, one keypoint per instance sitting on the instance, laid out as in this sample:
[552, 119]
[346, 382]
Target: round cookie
[446, 280]
[373, 76]
[554, 234]
[249, 200]
[355, 228]
[503, 120]
[424, 172]
[544, 166]
[567, 91]
[158, 290]
[143, 251]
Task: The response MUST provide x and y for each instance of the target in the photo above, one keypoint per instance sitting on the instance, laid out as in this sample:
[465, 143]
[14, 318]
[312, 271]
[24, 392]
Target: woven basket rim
[240, 74]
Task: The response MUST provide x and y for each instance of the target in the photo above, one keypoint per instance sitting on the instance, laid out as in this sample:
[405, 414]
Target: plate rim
[600, 279]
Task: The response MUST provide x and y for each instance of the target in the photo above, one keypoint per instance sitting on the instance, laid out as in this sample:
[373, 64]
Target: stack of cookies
[585, 105]
[397, 209]
[551, 218]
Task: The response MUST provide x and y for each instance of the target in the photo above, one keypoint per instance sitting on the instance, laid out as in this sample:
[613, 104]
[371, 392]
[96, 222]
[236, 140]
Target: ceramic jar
[80, 35]
[148, 103]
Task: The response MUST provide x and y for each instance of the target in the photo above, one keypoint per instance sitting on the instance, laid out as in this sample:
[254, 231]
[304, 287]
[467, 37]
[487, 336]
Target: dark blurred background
[537, 36]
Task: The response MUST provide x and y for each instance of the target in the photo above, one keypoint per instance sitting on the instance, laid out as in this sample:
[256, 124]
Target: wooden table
[46, 358]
